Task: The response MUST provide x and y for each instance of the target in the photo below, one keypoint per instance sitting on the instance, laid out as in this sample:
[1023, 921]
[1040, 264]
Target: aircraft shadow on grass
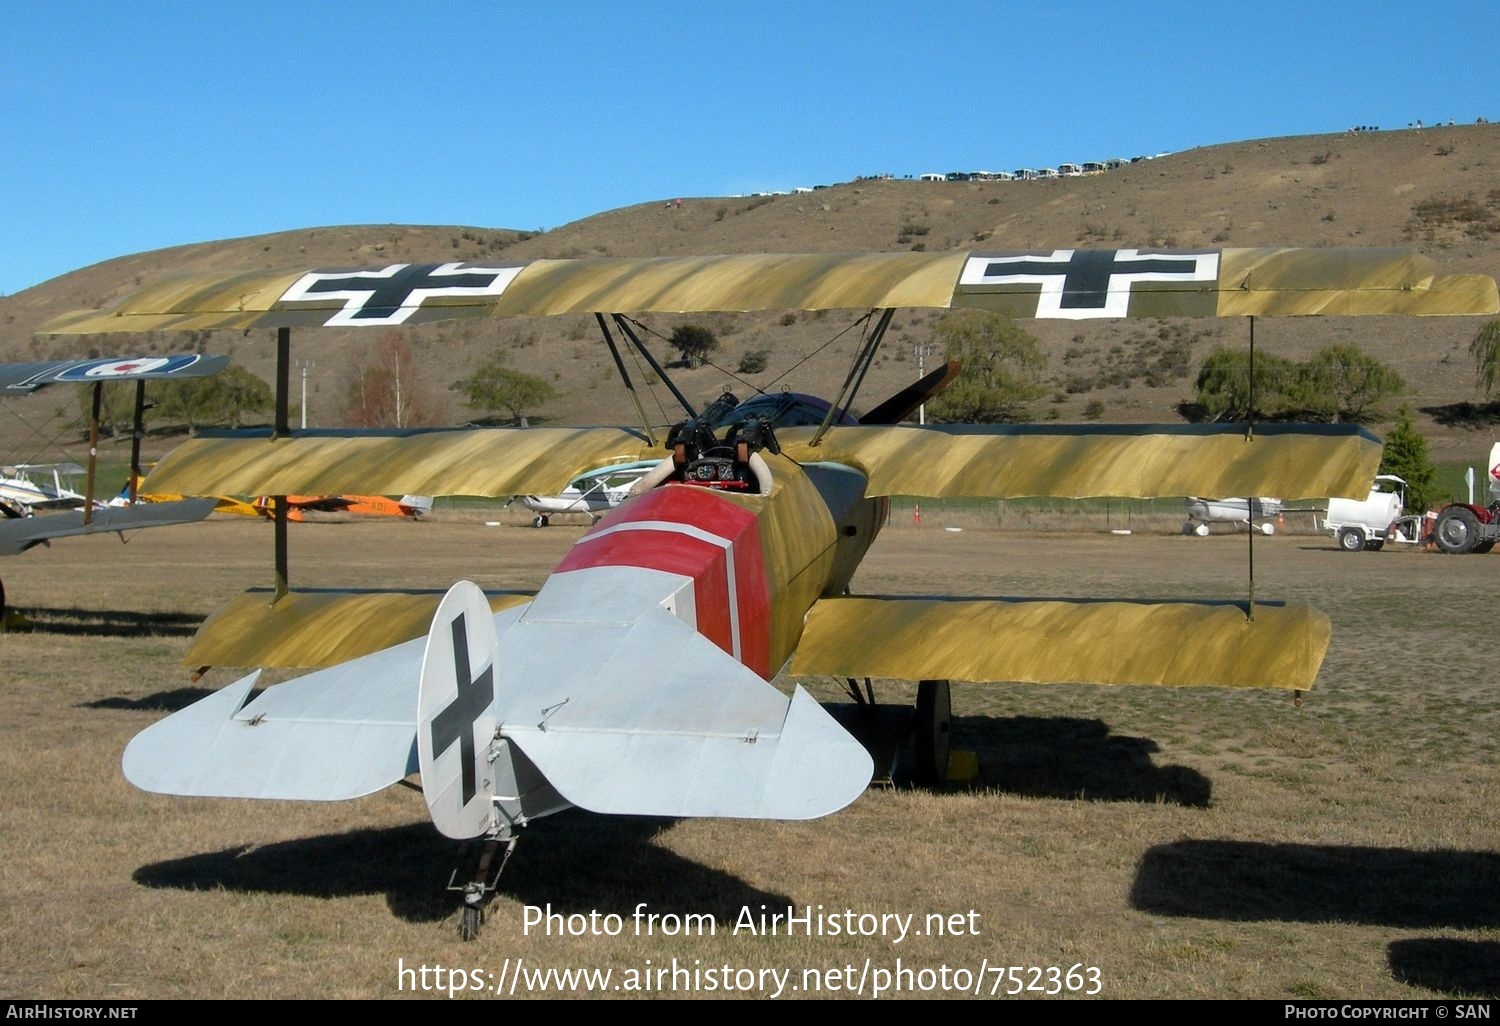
[576, 862]
[114, 623]
[162, 701]
[1246, 881]
[1075, 758]
[1450, 965]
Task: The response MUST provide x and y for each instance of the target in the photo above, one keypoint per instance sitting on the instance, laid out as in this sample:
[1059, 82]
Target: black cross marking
[1086, 273]
[381, 298]
[1087, 283]
[456, 721]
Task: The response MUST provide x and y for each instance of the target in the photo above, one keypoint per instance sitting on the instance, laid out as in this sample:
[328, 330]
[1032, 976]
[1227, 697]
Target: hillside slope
[1433, 190]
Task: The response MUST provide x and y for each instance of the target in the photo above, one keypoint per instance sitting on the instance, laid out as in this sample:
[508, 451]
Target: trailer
[1367, 524]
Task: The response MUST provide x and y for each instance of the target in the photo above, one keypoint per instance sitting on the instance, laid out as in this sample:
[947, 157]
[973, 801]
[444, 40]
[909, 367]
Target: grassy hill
[1433, 190]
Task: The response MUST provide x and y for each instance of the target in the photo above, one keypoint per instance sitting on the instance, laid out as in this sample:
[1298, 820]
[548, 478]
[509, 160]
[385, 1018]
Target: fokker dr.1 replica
[733, 560]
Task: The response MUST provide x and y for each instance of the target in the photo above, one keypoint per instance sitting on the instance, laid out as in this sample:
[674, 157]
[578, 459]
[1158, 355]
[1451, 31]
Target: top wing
[1065, 283]
[25, 378]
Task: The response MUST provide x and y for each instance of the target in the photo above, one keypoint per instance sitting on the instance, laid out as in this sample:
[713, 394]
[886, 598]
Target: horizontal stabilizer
[645, 717]
[660, 721]
[1008, 461]
[333, 735]
[1063, 283]
[1046, 641]
[317, 628]
[806, 767]
[21, 534]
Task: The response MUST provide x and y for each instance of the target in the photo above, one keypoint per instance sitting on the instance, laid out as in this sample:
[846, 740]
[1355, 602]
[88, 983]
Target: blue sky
[129, 127]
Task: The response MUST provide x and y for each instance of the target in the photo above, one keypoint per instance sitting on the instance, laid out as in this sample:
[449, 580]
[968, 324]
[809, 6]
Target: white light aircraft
[1260, 514]
[592, 494]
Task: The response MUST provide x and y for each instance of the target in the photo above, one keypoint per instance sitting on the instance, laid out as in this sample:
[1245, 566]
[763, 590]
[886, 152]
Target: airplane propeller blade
[905, 402]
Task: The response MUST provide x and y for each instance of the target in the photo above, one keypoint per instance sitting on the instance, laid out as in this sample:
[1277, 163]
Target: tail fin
[456, 714]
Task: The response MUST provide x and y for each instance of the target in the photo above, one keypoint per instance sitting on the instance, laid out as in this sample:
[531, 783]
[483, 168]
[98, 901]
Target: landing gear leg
[930, 733]
[482, 883]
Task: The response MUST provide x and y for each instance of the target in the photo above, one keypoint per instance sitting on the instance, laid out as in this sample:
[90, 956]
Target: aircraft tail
[474, 781]
[456, 713]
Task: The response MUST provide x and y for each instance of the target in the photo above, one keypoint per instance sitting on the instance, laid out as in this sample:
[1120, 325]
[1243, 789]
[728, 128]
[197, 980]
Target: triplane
[734, 559]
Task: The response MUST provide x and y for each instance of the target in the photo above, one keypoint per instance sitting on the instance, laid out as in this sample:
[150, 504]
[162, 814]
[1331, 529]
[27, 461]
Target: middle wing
[501, 461]
[941, 461]
[1006, 461]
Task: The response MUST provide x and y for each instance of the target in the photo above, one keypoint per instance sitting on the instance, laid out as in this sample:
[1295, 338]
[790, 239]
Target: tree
[387, 391]
[1339, 383]
[1485, 349]
[493, 388]
[224, 398]
[1405, 455]
[1224, 386]
[116, 407]
[694, 342]
[1349, 384]
[753, 362]
[1000, 363]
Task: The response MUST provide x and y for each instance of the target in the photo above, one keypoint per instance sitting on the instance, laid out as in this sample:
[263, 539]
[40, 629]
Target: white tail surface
[456, 713]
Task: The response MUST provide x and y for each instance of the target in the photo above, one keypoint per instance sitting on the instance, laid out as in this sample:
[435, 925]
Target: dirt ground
[1156, 843]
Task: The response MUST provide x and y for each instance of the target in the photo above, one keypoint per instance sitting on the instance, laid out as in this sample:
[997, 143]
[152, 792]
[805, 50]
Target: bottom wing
[1085, 642]
[317, 627]
[21, 534]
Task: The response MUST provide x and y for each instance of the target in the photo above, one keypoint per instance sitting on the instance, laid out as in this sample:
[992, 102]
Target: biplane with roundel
[82, 513]
[733, 561]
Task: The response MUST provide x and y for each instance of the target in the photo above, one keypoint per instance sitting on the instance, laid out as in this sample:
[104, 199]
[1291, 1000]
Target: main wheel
[538, 521]
[1456, 531]
[1266, 528]
[1351, 539]
[930, 733]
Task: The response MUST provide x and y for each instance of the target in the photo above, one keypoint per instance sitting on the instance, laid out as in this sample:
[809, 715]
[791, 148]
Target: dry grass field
[1193, 843]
